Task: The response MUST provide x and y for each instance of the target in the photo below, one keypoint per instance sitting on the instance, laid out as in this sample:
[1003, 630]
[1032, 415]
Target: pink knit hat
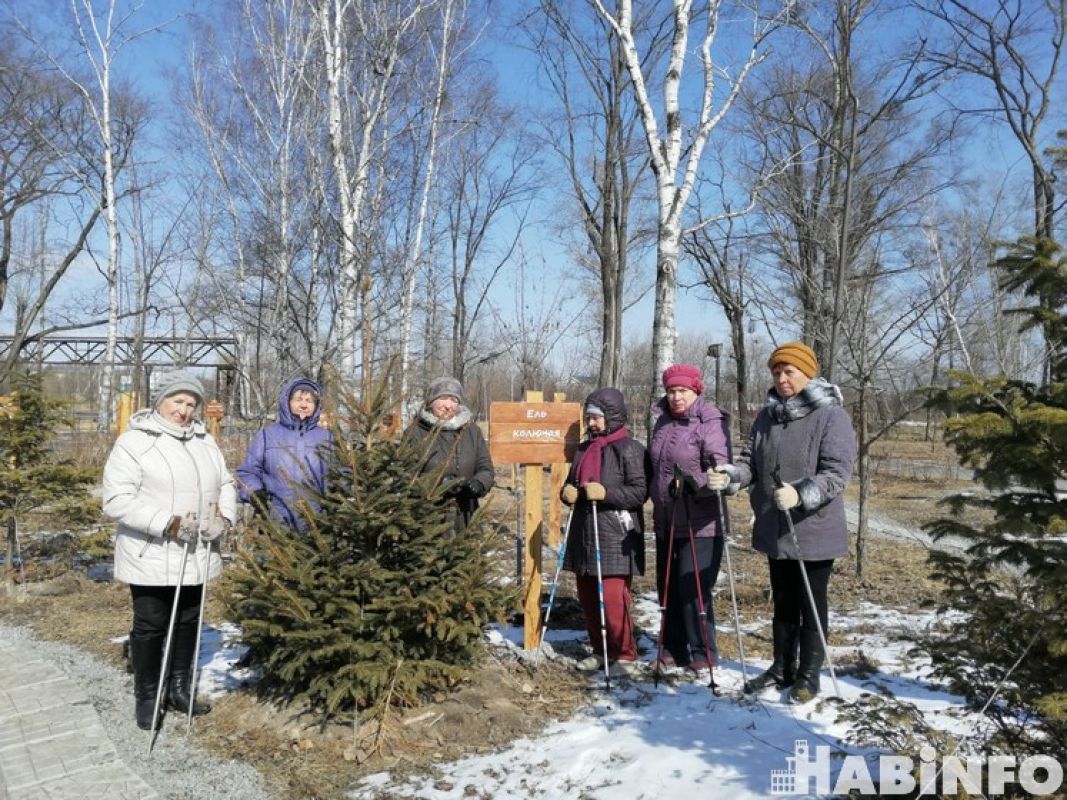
[683, 375]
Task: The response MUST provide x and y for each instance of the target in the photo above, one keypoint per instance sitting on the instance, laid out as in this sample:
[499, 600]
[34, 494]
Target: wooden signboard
[534, 432]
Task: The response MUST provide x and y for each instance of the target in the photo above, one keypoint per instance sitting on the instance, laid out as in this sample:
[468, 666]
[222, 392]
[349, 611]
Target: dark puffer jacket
[694, 442]
[287, 459]
[624, 474]
[810, 438]
[458, 451]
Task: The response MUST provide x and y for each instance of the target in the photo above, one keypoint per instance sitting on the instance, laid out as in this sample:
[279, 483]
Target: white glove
[786, 497]
[720, 477]
[188, 529]
[215, 528]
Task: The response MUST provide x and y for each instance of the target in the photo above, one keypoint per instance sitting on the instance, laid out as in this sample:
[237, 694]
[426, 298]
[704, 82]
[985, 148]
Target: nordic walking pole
[166, 649]
[703, 613]
[724, 517]
[600, 591]
[666, 592]
[555, 583]
[212, 509]
[776, 476]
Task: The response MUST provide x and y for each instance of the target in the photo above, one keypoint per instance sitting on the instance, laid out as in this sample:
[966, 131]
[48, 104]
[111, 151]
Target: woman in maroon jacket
[611, 468]
[690, 436]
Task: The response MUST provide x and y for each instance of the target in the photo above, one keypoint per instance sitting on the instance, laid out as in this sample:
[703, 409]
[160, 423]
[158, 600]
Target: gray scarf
[816, 394]
[463, 416]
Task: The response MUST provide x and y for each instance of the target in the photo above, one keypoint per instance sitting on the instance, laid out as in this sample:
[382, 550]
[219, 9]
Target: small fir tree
[377, 603]
[1012, 580]
[33, 478]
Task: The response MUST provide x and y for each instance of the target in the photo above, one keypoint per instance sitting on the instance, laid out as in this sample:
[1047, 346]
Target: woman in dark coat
[690, 436]
[805, 433]
[612, 469]
[456, 448]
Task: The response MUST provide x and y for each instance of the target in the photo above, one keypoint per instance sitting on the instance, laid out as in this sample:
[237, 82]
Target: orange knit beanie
[799, 355]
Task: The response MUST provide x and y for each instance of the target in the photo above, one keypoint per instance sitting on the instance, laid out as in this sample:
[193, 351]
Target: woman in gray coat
[803, 438]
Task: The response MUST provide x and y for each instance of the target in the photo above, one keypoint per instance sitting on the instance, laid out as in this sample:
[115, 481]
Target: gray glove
[215, 528]
[720, 477]
[188, 530]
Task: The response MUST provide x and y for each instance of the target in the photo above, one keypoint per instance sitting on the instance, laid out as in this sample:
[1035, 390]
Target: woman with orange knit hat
[804, 435]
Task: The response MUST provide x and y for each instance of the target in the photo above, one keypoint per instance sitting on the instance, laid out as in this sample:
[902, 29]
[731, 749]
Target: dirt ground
[506, 699]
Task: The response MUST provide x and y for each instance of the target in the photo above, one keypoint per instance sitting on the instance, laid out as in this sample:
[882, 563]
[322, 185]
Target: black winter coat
[458, 450]
[625, 472]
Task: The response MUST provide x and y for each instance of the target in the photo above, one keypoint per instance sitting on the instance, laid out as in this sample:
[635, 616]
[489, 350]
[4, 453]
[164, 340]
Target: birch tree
[359, 87]
[597, 137]
[102, 30]
[675, 144]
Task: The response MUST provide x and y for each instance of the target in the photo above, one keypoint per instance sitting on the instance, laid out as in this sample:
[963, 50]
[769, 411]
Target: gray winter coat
[810, 438]
[624, 473]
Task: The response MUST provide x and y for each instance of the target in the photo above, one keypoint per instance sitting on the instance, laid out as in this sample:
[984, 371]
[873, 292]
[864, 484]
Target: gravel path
[177, 767]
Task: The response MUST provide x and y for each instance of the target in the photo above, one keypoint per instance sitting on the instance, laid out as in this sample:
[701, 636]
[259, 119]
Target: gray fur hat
[439, 387]
[177, 381]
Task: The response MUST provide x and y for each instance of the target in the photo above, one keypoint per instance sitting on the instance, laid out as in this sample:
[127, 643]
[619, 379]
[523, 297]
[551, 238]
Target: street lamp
[715, 351]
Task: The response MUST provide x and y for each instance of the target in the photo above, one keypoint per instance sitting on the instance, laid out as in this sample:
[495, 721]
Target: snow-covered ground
[677, 739]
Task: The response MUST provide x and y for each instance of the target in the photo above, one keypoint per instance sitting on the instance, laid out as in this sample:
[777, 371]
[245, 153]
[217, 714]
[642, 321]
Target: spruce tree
[33, 478]
[377, 603]
[1012, 579]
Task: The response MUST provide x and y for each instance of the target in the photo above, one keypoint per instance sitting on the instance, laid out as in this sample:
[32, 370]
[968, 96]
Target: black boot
[146, 660]
[811, 657]
[181, 672]
[782, 670]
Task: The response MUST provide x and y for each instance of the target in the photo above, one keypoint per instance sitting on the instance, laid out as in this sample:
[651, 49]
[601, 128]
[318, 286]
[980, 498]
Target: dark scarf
[588, 469]
[816, 394]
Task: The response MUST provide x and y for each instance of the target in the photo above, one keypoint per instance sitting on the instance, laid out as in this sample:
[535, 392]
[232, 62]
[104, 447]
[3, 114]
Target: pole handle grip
[776, 476]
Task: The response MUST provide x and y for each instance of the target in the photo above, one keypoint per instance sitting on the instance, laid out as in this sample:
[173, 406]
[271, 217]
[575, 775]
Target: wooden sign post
[213, 412]
[535, 433]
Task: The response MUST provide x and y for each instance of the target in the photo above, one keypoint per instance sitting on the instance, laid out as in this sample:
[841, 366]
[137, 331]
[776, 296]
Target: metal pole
[555, 583]
[166, 648]
[807, 584]
[600, 591]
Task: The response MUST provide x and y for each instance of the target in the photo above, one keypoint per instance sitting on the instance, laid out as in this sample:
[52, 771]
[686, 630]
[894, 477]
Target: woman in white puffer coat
[167, 485]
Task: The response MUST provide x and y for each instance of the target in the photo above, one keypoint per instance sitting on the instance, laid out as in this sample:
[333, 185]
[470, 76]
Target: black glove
[682, 484]
[453, 487]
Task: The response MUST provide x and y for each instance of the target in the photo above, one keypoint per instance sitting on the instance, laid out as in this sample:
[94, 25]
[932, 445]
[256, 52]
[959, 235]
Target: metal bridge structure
[156, 351]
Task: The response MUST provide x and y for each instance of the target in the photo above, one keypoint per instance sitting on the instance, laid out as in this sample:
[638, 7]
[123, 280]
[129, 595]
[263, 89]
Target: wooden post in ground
[534, 433]
[531, 564]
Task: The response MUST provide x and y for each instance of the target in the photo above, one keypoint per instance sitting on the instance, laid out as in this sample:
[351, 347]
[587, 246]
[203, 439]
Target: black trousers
[152, 606]
[682, 636]
[791, 603]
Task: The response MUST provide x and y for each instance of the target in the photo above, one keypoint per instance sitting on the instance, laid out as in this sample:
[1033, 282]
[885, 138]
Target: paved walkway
[52, 745]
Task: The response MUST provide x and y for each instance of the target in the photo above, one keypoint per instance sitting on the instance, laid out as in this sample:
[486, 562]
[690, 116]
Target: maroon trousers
[618, 622]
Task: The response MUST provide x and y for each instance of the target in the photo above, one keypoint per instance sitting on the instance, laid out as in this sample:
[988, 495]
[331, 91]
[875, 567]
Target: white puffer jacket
[155, 472]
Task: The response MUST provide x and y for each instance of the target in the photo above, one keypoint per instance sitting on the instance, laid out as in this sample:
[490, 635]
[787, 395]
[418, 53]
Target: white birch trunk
[674, 178]
[411, 267]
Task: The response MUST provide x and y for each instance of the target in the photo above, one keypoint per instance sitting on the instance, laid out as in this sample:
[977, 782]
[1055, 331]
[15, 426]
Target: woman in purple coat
[690, 436]
[285, 463]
